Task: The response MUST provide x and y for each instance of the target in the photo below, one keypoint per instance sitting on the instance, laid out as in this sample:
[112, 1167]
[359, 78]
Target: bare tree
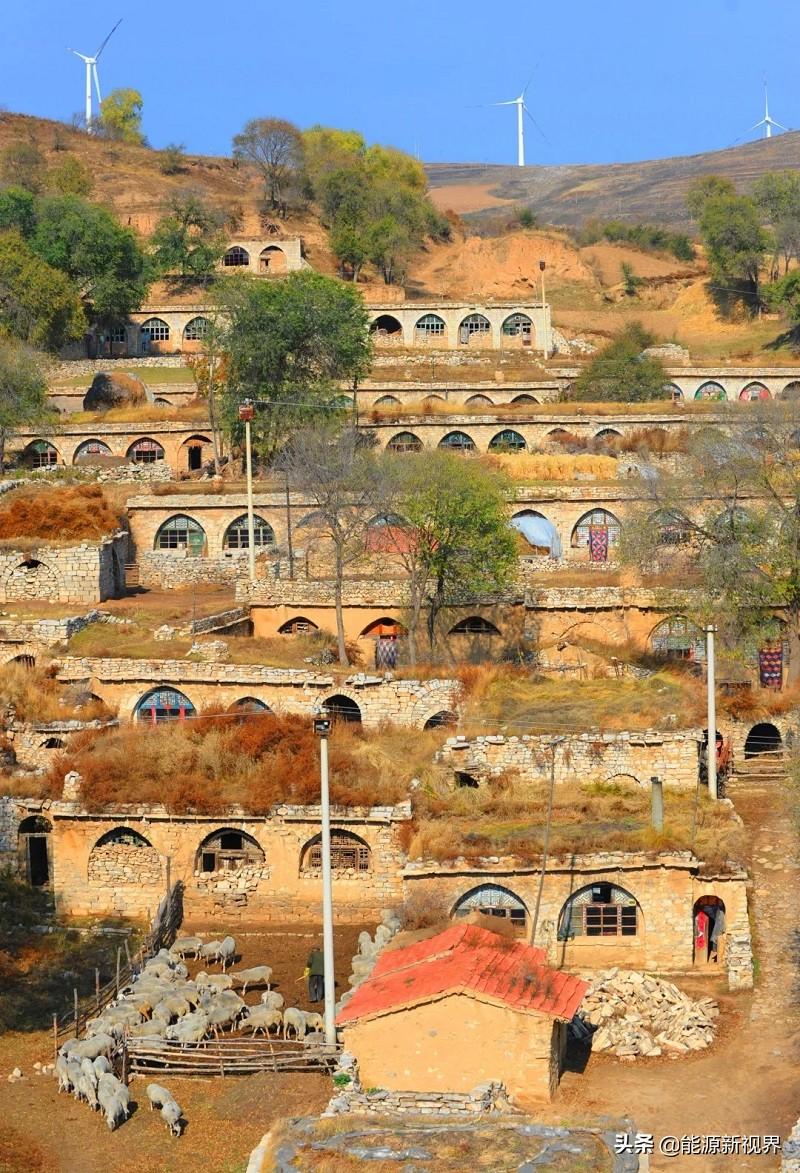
[344, 480]
[275, 148]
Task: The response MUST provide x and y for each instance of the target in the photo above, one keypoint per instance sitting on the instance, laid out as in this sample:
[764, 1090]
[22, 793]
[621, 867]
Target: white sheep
[262, 1018]
[171, 1115]
[101, 1065]
[213, 981]
[86, 1089]
[226, 952]
[209, 951]
[183, 946]
[314, 1021]
[117, 1111]
[294, 1019]
[272, 999]
[157, 1095]
[189, 1029]
[258, 975]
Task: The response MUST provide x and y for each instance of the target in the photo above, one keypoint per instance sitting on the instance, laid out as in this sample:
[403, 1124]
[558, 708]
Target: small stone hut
[461, 1008]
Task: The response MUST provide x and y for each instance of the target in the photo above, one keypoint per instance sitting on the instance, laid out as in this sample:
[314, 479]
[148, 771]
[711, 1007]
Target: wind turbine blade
[513, 102]
[528, 82]
[779, 125]
[763, 122]
[77, 54]
[96, 84]
[108, 38]
[536, 124]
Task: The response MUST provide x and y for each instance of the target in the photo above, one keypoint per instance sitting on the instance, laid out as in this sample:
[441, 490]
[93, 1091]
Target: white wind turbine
[91, 72]
[522, 110]
[766, 121]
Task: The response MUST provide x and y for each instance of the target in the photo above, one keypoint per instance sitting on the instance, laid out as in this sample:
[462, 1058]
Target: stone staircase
[762, 770]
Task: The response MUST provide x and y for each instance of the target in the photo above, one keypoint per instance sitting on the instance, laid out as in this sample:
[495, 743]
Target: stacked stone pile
[369, 949]
[639, 1015]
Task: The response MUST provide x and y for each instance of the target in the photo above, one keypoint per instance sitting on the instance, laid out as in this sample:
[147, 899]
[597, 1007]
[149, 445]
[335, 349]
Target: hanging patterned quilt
[598, 543]
[770, 667]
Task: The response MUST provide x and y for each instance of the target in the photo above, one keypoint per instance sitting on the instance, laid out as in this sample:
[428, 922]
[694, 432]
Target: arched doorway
[386, 328]
[342, 708]
[708, 919]
[272, 259]
[34, 850]
[763, 738]
[387, 633]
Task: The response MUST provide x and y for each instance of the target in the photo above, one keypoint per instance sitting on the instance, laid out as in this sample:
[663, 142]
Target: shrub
[172, 160]
[58, 515]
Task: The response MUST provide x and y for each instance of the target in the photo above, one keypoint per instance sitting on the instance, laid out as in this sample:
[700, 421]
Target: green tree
[630, 281]
[784, 296]
[172, 159]
[70, 177]
[18, 210]
[188, 241]
[121, 116]
[275, 148]
[23, 391]
[735, 242]
[290, 344]
[457, 543]
[22, 165]
[777, 197]
[339, 474]
[38, 303]
[621, 373]
[326, 150]
[104, 259]
[700, 191]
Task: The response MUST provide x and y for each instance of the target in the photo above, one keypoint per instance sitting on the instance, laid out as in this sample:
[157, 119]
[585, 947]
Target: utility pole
[322, 727]
[548, 822]
[711, 751]
[545, 339]
[246, 412]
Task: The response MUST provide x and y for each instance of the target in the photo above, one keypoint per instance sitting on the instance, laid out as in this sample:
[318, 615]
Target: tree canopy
[23, 391]
[290, 344]
[39, 304]
[275, 148]
[121, 116]
[188, 241]
[621, 373]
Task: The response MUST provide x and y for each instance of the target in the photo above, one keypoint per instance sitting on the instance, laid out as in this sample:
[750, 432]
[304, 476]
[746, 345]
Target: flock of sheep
[162, 1003]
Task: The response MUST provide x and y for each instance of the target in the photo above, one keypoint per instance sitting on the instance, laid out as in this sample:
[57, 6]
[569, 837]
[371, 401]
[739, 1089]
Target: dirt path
[749, 1082]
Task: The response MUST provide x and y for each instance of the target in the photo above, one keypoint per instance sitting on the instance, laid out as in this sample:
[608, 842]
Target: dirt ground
[42, 1132]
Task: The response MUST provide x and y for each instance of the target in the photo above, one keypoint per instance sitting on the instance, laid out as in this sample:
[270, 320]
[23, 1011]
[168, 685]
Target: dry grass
[251, 760]
[508, 818]
[38, 697]
[189, 413]
[61, 515]
[662, 408]
[530, 466]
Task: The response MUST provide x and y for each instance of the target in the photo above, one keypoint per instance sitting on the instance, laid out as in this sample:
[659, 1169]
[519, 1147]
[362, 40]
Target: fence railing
[162, 933]
[222, 1057]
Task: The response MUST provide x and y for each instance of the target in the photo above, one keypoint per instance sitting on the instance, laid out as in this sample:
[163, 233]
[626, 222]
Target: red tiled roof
[466, 959]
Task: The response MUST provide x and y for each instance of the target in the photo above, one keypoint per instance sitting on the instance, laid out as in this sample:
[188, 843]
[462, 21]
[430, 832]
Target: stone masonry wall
[81, 574]
[673, 757]
[124, 863]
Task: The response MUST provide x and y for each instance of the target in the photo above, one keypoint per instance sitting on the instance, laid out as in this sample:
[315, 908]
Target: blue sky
[612, 80]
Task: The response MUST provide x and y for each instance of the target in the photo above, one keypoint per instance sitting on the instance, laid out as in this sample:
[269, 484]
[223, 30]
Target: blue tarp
[538, 531]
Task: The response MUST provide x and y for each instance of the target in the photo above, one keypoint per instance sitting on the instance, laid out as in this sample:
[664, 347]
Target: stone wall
[124, 863]
[85, 573]
[172, 569]
[673, 757]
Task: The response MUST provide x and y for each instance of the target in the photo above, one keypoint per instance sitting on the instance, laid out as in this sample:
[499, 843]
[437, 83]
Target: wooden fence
[161, 934]
[221, 1057]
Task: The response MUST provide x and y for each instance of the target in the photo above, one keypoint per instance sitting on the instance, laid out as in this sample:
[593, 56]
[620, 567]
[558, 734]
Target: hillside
[570, 194]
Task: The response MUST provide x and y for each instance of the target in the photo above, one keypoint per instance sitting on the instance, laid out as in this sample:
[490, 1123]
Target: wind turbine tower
[766, 121]
[522, 110]
[91, 74]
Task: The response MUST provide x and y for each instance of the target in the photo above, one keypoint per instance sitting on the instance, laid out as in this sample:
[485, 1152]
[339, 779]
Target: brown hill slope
[569, 194]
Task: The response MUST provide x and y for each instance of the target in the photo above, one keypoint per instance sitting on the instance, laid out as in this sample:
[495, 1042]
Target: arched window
[608, 435]
[297, 626]
[181, 533]
[479, 401]
[125, 836]
[228, 850]
[673, 390]
[518, 326]
[342, 708]
[196, 330]
[40, 454]
[249, 704]
[430, 326]
[237, 535]
[433, 399]
[525, 401]
[145, 451]
[538, 531]
[272, 259]
[754, 391]
[386, 326]
[791, 391]
[155, 329]
[404, 442]
[236, 257]
[677, 638]
[442, 720]
[672, 528]
[507, 441]
[89, 449]
[457, 442]
[493, 900]
[164, 704]
[732, 525]
[389, 533]
[599, 530]
[599, 910]
[474, 625]
[387, 401]
[348, 853]
[710, 390]
[473, 326]
[160, 401]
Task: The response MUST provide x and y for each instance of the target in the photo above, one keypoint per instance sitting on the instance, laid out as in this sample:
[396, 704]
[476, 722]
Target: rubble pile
[639, 1015]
